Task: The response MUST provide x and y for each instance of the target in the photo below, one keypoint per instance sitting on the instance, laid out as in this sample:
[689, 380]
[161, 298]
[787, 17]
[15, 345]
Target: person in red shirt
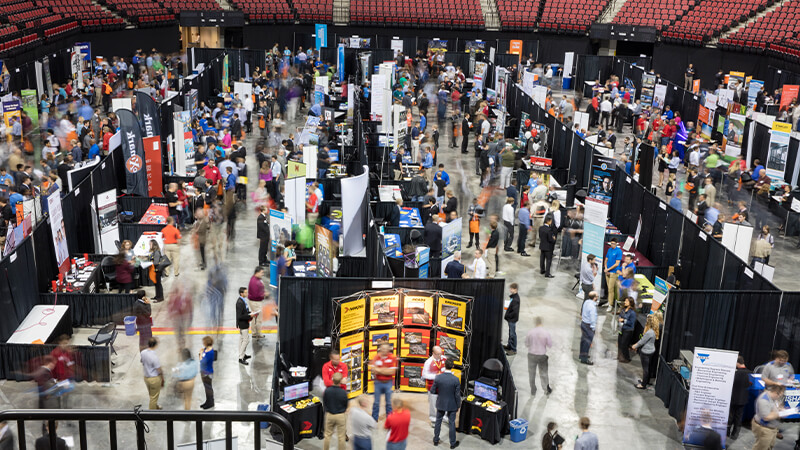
[334, 366]
[397, 423]
[383, 367]
[65, 360]
[172, 237]
[211, 171]
[106, 138]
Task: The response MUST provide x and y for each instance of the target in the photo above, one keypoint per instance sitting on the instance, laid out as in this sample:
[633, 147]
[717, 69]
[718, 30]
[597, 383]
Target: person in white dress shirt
[478, 266]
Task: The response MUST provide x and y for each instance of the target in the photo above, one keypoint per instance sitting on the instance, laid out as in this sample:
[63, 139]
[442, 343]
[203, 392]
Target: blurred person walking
[207, 358]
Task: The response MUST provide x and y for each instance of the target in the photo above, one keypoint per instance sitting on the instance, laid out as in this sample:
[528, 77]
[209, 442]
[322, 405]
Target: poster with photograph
[734, 135]
[351, 352]
[601, 185]
[107, 219]
[384, 309]
[411, 377]
[476, 46]
[735, 79]
[452, 345]
[778, 150]
[659, 96]
[58, 231]
[713, 371]
[752, 92]
[280, 228]
[648, 85]
[378, 337]
[415, 342]
[323, 248]
[352, 315]
[451, 314]
[451, 239]
[725, 97]
[417, 309]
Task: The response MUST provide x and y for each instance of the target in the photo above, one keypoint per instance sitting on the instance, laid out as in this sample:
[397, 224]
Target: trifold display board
[411, 322]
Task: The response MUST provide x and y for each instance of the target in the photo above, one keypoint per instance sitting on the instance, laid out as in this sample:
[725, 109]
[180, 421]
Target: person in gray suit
[447, 387]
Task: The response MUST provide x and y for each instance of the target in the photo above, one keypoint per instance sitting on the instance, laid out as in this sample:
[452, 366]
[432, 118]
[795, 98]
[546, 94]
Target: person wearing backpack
[551, 439]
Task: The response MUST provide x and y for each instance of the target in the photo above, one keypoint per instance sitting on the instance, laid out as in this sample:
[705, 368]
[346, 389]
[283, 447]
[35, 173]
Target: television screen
[483, 390]
[295, 392]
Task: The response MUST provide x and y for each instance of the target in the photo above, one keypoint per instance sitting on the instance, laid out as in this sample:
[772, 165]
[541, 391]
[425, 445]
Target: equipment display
[452, 345]
[485, 391]
[415, 342]
[417, 310]
[351, 353]
[295, 392]
[451, 314]
[384, 309]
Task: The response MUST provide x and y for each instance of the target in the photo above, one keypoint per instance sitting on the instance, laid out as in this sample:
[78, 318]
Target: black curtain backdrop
[17, 294]
[93, 309]
[77, 208]
[45, 256]
[787, 330]
[18, 361]
[132, 231]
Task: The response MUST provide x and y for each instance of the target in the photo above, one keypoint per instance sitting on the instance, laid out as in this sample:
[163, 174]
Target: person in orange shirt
[172, 249]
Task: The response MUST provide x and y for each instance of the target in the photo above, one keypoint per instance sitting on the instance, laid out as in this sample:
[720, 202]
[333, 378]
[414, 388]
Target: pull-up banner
[133, 149]
[148, 114]
[710, 396]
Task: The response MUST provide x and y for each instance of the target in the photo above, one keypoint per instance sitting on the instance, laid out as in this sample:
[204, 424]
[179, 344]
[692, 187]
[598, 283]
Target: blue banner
[593, 240]
[85, 49]
[321, 31]
[340, 64]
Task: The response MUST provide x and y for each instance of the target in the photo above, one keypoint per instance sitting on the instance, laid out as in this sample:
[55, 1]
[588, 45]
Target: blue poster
[85, 49]
[392, 245]
[340, 64]
[451, 238]
[752, 92]
[409, 217]
[593, 239]
[321, 31]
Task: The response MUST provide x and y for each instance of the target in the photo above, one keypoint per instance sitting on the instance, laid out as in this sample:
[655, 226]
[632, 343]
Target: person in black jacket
[43, 442]
[433, 237]
[262, 234]
[393, 219]
[465, 134]
[447, 388]
[243, 318]
[512, 317]
[547, 243]
[739, 397]
[236, 127]
[335, 402]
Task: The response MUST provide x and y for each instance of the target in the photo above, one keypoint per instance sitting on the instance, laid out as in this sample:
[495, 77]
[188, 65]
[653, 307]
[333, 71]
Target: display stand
[412, 322]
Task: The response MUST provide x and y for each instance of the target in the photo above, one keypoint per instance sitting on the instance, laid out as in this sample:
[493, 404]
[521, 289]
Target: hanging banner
[778, 150]
[696, 86]
[133, 151]
[601, 185]
[323, 248]
[648, 87]
[725, 97]
[788, 94]
[340, 63]
[752, 92]
[48, 82]
[710, 396]
[569, 57]
[295, 169]
[280, 228]
[5, 77]
[353, 211]
[183, 144]
[660, 291]
[702, 114]
[515, 48]
[147, 110]
[351, 352]
[85, 50]
[321, 35]
[75, 66]
[480, 74]
[152, 160]
[733, 145]
[190, 102]
[226, 85]
[501, 86]
[659, 95]
[735, 79]
[58, 231]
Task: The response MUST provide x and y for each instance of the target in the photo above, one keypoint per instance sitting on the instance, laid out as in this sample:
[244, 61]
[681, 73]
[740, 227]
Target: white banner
[397, 46]
[353, 198]
[480, 74]
[540, 95]
[569, 57]
[107, 221]
[377, 93]
[659, 95]
[710, 396]
[778, 150]
[243, 89]
[58, 231]
[295, 199]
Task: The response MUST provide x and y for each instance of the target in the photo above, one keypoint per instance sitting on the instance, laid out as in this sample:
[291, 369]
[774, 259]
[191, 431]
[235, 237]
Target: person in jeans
[361, 424]
[383, 368]
[588, 326]
[335, 401]
[512, 317]
[766, 419]
[538, 341]
[627, 320]
[397, 422]
[646, 347]
[447, 388]
[588, 274]
[207, 357]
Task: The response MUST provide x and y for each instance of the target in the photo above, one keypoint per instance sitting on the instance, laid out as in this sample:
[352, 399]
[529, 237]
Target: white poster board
[107, 221]
[737, 238]
[569, 57]
[58, 231]
[540, 95]
[310, 160]
[243, 89]
[397, 46]
[121, 103]
[528, 80]
[353, 210]
[582, 119]
[389, 193]
[295, 198]
[710, 395]
[377, 94]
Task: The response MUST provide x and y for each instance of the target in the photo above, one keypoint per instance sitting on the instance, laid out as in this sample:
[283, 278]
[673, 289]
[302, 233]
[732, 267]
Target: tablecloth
[491, 426]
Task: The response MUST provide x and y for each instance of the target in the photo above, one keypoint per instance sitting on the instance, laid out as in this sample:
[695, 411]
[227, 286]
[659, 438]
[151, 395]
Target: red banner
[702, 116]
[788, 93]
[152, 159]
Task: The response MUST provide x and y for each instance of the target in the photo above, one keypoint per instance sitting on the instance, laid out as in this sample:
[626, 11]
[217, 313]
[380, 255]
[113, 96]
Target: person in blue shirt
[588, 326]
[612, 264]
[668, 113]
[207, 357]
[423, 121]
[512, 192]
[94, 150]
[627, 263]
[185, 372]
[524, 216]
[316, 110]
[5, 176]
[230, 180]
[675, 202]
[757, 170]
[427, 163]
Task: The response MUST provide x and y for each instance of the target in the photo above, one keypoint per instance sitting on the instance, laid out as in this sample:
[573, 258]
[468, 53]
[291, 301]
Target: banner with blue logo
[340, 63]
[709, 399]
[321, 30]
[601, 185]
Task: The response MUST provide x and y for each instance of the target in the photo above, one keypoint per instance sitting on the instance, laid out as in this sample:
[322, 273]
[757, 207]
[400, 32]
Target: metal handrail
[141, 417]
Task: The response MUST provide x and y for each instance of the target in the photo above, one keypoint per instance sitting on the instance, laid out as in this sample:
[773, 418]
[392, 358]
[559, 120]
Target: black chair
[109, 271]
[105, 336]
[492, 369]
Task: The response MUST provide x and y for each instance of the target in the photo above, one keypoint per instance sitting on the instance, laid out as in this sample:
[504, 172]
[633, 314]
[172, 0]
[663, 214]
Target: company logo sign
[133, 164]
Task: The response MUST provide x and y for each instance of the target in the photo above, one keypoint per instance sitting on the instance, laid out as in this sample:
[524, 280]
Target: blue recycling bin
[263, 407]
[519, 430]
[130, 325]
[566, 83]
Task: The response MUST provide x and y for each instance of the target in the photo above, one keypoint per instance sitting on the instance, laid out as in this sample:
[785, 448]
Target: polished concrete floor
[622, 416]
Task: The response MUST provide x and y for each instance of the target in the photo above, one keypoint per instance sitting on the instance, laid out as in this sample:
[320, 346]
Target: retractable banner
[778, 149]
[709, 399]
[133, 151]
[148, 114]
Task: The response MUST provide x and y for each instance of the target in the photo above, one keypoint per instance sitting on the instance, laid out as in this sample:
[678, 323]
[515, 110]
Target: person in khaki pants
[153, 376]
[335, 402]
[765, 421]
[172, 238]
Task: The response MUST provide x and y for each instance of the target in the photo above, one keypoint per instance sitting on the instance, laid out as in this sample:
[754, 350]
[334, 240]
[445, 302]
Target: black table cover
[307, 422]
[93, 309]
[491, 426]
[18, 361]
[670, 389]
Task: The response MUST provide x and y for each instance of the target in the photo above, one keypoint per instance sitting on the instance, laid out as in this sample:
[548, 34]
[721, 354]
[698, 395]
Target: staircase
[341, 12]
[713, 42]
[225, 5]
[612, 8]
[491, 16]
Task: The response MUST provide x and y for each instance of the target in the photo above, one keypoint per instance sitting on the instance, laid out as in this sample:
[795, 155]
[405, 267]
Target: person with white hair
[361, 424]
[433, 366]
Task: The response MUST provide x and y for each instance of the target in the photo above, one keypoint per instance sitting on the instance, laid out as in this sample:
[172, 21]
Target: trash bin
[566, 83]
[263, 407]
[519, 430]
[130, 325]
